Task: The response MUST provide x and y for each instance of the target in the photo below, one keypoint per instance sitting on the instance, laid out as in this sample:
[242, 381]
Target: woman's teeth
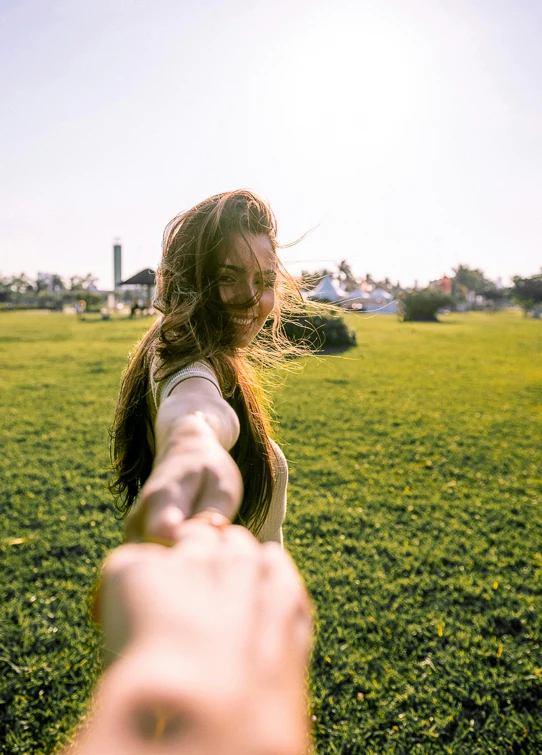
[238, 321]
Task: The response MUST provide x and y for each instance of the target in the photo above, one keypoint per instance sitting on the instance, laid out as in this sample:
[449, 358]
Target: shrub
[319, 331]
[422, 306]
[528, 294]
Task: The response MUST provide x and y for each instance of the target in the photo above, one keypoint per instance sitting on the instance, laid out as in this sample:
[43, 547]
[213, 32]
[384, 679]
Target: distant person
[208, 643]
[191, 430]
[80, 308]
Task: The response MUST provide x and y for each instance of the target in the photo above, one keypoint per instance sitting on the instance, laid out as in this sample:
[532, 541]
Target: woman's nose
[247, 293]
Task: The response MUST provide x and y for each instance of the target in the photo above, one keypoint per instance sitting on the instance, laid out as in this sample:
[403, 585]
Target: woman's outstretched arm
[192, 469]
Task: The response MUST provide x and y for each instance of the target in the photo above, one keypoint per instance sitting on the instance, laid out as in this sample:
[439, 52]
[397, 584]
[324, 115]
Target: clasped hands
[191, 474]
[208, 640]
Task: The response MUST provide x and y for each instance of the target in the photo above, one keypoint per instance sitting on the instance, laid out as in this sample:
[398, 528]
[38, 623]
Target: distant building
[140, 287]
[444, 284]
[117, 264]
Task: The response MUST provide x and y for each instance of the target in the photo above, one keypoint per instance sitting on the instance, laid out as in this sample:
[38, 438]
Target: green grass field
[414, 517]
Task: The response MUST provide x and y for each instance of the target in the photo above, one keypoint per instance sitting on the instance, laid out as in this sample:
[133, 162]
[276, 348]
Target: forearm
[180, 416]
[175, 434]
[192, 469]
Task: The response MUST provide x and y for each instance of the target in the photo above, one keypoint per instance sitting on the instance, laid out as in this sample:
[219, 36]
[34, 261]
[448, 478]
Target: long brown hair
[196, 326]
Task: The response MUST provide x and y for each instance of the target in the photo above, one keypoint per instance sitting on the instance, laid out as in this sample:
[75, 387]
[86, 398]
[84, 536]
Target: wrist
[195, 422]
[208, 422]
[157, 699]
[160, 698]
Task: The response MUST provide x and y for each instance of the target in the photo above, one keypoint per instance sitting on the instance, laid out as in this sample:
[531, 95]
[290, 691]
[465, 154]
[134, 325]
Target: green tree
[497, 297]
[471, 279]
[76, 283]
[346, 276]
[57, 283]
[5, 290]
[528, 293]
[386, 283]
[21, 284]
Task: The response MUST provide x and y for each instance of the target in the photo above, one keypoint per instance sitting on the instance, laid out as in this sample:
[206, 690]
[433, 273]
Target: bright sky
[408, 131]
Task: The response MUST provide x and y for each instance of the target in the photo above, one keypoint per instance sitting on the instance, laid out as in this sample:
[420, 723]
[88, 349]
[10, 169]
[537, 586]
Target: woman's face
[248, 274]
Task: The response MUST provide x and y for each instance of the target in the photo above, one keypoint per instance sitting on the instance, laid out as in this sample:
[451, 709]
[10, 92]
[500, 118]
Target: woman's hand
[214, 636]
[192, 473]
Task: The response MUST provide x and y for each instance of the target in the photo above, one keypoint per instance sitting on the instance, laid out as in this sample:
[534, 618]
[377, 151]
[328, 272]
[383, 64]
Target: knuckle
[273, 556]
[162, 524]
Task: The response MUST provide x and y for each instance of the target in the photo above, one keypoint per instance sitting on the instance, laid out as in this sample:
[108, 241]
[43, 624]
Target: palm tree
[346, 276]
[57, 284]
[20, 284]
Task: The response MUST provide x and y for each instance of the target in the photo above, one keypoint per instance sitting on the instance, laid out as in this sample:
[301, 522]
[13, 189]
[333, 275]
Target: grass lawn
[414, 517]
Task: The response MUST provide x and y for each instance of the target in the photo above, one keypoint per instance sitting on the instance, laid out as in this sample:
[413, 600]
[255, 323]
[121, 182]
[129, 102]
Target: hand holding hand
[193, 474]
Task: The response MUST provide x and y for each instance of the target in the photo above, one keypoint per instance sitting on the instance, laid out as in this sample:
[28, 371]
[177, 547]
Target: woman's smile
[246, 281]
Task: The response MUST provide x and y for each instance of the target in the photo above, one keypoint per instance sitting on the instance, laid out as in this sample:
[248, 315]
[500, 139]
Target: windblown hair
[194, 326]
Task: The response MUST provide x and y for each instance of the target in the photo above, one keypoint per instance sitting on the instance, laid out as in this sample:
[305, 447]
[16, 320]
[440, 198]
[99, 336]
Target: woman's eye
[267, 282]
[226, 279]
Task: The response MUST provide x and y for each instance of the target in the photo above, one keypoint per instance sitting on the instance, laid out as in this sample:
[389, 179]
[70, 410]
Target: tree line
[469, 288]
[49, 291]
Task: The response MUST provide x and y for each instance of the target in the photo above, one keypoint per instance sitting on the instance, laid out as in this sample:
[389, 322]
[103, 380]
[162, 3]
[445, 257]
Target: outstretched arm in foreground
[211, 639]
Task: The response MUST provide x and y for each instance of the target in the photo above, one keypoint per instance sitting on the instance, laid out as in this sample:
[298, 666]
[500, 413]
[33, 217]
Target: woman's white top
[272, 527]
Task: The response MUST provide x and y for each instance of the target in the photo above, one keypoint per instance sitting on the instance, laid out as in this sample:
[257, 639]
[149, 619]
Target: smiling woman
[191, 431]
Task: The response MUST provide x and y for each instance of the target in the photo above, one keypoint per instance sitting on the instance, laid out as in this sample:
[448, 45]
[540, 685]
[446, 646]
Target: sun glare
[352, 85]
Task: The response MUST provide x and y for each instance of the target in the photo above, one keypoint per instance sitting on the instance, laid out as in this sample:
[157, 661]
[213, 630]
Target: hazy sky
[408, 131]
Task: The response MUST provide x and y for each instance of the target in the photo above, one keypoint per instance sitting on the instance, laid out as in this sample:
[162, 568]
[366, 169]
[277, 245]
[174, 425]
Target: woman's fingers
[169, 498]
[221, 488]
[197, 541]
[162, 506]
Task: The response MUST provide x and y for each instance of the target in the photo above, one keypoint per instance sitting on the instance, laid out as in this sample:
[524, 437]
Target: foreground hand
[214, 636]
[193, 474]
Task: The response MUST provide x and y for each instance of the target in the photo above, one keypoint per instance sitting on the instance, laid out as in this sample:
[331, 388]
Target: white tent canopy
[356, 294]
[380, 293]
[326, 290]
[369, 301]
[380, 300]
